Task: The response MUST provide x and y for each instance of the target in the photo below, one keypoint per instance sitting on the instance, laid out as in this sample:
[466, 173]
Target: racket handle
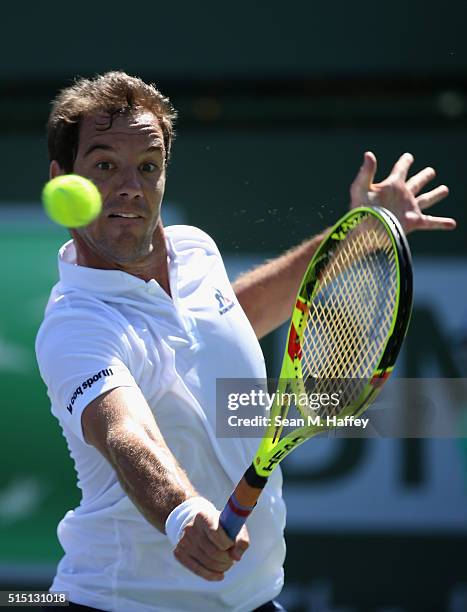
[241, 503]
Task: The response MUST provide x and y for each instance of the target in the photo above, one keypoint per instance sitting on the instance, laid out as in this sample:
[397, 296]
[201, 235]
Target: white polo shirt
[105, 329]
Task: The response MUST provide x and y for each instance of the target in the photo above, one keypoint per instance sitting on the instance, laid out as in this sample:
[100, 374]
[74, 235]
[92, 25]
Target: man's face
[126, 162]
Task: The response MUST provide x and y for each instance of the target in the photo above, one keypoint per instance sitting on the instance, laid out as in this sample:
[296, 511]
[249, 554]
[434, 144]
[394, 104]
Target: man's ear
[55, 169]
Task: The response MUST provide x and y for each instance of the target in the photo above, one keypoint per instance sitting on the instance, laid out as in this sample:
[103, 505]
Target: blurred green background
[277, 104]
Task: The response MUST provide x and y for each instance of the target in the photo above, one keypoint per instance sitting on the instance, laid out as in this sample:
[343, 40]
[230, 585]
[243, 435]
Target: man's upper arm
[81, 356]
[115, 412]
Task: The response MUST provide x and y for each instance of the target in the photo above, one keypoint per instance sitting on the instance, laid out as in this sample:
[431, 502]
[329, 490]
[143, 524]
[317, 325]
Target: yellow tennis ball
[71, 200]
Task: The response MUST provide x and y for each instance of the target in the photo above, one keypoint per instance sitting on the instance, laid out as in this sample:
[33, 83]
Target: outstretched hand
[401, 195]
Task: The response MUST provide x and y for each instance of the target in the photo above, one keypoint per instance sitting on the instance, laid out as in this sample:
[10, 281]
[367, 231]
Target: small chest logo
[224, 303]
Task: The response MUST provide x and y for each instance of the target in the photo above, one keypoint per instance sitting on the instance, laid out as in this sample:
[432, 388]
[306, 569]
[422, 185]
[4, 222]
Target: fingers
[400, 195]
[235, 550]
[401, 167]
[432, 197]
[219, 559]
[363, 181]
[219, 538]
[428, 222]
[196, 566]
[242, 542]
[209, 565]
[369, 166]
[419, 180]
[206, 550]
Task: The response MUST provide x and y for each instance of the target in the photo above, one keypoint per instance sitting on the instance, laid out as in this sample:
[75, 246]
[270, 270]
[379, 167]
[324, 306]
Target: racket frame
[272, 448]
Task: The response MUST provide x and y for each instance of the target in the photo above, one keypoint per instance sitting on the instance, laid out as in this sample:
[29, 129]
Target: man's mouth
[122, 215]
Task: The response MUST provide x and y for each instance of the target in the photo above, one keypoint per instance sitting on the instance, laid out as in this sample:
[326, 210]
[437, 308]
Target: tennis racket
[348, 323]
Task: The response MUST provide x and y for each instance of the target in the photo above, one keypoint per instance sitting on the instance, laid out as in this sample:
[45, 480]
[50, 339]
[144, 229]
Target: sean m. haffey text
[314, 401]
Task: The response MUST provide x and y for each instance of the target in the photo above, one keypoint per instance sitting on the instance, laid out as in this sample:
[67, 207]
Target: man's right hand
[205, 548]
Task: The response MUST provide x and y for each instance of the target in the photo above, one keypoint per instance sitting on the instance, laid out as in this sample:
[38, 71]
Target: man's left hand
[401, 195]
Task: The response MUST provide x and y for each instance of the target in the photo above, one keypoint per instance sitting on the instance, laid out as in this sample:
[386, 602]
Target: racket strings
[347, 323]
[351, 313]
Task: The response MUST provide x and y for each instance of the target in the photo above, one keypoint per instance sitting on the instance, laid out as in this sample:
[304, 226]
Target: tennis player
[140, 325]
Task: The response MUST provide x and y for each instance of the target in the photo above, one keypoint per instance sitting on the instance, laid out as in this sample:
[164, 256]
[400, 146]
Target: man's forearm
[149, 475]
[267, 293]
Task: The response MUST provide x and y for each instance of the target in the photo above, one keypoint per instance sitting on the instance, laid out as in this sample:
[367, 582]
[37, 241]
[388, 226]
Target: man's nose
[130, 185]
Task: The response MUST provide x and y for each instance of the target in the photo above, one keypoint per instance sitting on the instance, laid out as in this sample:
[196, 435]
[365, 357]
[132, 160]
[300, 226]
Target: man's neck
[154, 266]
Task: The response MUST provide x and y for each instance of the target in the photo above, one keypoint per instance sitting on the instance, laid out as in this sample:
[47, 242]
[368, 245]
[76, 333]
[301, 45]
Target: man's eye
[149, 167]
[104, 165]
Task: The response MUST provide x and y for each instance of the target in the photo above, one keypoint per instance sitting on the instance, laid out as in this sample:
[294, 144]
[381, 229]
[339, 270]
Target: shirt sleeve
[81, 356]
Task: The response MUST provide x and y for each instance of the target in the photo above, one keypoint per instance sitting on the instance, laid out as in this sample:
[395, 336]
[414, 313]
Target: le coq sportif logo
[87, 384]
[224, 303]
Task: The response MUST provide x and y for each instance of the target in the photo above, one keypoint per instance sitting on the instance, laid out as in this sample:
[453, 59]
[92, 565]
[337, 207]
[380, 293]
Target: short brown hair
[113, 92]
